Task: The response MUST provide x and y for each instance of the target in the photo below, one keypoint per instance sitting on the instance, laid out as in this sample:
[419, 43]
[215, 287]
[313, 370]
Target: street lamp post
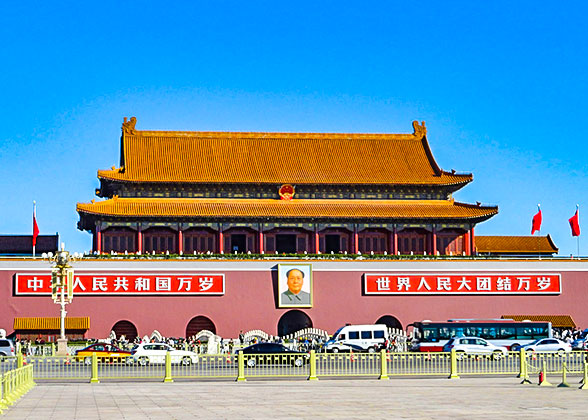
[62, 275]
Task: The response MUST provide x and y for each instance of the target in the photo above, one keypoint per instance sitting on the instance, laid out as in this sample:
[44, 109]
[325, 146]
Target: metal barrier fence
[309, 365]
[14, 384]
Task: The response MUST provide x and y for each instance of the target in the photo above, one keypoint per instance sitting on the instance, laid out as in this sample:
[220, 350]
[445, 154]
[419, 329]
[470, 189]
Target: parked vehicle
[370, 338]
[104, 352]
[474, 345]
[433, 335]
[6, 347]
[547, 345]
[155, 353]
[271, 353]
[580, 342]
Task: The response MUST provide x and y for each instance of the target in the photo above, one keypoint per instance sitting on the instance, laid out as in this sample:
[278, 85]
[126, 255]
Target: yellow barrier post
[32, 376]
[453, 374]
[94, 379]
[20, 383]
[564, 382]
[168, 372]
[383, 365]
[28, 378]
[524, 368]
[4, 403]
[19, 361]
[241, 367]
[312, 362]
[9, 387]
[543, 375]
[3, 406]
[14, 384]
[585, 379]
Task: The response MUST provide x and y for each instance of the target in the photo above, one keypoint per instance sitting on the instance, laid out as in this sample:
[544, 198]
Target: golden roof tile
[516, 244]
[271, 208]
[51, 323]
[558, 321]
[293, 158]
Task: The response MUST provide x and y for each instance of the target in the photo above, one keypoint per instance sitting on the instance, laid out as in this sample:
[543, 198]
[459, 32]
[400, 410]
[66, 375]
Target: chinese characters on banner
[127, 284]
[462, 284]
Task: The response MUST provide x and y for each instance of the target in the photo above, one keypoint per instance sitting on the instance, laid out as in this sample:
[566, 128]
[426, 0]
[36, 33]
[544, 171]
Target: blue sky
[501, 86]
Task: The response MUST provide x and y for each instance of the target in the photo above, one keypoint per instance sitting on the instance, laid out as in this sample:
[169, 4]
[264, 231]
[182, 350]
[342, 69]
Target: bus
[432, 336]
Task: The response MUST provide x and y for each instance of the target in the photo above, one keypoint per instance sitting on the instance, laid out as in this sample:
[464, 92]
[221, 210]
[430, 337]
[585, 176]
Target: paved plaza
[481, 398]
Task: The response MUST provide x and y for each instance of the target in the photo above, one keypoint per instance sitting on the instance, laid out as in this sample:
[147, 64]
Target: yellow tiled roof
[315, 208]
[292, 158]
[558, 321]
[516, 244]
[51, 323]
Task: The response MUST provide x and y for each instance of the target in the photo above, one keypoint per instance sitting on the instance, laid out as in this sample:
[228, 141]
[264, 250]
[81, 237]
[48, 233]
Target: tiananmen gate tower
[223, 192]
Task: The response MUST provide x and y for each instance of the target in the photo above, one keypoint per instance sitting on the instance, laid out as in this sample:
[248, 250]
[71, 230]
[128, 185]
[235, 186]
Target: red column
[220, 238]
[139, 239]
[316, 239]
[466, 242]
[395, 241]
[180, 240]
[98, 240]
[355, 239]
[472, 241]
[434, 240]
[261, 238]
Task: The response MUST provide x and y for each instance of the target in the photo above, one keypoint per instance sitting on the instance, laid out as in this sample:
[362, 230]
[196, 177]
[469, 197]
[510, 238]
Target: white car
[154, 353]
[548, 345]
[474, 345]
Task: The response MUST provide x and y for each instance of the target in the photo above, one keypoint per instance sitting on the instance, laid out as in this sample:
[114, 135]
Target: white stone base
[61, 347]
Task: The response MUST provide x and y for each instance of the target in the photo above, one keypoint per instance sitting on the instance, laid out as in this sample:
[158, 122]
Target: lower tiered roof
[293, 209]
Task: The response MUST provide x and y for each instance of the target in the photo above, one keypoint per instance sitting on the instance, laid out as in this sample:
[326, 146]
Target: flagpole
[34, 216]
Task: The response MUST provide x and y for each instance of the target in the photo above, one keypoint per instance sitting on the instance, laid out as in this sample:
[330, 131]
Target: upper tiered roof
[295, 158]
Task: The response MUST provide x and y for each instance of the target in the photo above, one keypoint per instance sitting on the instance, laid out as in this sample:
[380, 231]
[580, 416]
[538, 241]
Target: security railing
[14, 384]
[310, 365]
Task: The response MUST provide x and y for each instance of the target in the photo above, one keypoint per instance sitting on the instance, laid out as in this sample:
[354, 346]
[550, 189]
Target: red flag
[537, 219]
[575, 222]
[35, 227]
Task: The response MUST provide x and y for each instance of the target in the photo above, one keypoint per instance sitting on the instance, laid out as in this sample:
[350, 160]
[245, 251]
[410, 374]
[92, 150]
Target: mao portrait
[295, 285]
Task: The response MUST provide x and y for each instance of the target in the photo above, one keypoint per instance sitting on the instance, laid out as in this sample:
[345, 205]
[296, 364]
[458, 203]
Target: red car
[105, 352]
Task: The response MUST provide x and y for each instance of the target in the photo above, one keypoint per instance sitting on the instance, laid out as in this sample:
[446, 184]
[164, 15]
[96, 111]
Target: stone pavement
[466, 398]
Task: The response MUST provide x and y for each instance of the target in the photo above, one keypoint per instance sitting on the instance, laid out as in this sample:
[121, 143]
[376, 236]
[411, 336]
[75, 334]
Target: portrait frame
[305, 298]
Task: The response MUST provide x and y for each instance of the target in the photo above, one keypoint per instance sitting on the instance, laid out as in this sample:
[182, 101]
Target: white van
[370, 338]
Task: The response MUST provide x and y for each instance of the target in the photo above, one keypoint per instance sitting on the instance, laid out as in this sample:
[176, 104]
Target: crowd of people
[39, 346]
[569, 335]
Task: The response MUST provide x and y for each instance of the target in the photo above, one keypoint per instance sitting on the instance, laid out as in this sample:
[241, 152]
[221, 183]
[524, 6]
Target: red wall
[250, 302]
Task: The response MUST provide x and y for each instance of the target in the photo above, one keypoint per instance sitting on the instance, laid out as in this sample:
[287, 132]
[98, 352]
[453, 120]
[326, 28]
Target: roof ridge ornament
[419, 130]
[128, 127]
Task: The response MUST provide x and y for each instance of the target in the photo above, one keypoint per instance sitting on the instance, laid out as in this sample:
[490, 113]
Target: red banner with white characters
[98, 284]
[462, 283]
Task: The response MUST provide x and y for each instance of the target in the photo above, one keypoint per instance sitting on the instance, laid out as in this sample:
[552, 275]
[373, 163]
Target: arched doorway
[293, 321]
[126, 328]
[389, 321]
[199, 323]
